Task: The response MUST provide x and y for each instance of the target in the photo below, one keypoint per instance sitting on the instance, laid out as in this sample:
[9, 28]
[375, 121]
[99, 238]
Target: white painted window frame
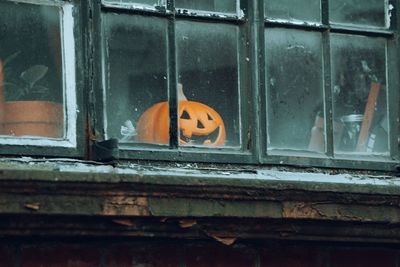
[71, 111]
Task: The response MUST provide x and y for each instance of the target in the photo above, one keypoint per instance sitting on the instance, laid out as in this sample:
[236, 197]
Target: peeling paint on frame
[388, 8]
[210, 14]
[239, 14]
[134, 6]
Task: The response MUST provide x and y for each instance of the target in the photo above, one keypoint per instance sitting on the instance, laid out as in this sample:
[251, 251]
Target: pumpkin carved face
[198, 124]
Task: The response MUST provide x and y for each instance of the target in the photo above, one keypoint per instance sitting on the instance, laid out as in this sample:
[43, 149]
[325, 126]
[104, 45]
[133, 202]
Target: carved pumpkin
[198, 124]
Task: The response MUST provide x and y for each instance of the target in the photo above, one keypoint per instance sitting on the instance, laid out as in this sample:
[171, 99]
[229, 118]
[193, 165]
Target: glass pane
[136, 96]
[295, 95]
[225, 6]
[359, 12]
[31, 86]
[359, 93]
[208, 71]
[299, 10]
[146, 2]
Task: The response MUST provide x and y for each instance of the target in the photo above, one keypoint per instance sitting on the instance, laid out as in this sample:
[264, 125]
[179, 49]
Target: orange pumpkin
[198, 124]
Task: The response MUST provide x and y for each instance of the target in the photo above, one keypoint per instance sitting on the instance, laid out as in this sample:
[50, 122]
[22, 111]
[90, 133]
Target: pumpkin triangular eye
[185, 115]
[200, 125]
[209, 117]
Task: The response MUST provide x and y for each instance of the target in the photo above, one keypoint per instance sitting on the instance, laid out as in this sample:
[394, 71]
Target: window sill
[65, 197]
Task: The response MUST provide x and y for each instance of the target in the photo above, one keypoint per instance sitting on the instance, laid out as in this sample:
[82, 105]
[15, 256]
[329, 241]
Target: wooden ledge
[137, 200]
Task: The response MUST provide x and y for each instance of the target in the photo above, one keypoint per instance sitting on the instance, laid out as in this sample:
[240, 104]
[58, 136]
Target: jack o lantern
[198, 124]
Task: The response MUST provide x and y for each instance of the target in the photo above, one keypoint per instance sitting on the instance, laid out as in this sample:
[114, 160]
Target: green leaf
[34, 74]
[40, 89]
[13, 91]
[11, 58]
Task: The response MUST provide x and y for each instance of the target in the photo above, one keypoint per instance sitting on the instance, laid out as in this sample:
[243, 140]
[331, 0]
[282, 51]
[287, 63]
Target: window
[309, 83]
[330, 81]
[151, 48]
[38, 100]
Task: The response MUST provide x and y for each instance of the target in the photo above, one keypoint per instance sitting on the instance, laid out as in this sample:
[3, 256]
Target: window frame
[72, 55]
[254, 90]
[328, 159]
[173, 152]
[89, 37]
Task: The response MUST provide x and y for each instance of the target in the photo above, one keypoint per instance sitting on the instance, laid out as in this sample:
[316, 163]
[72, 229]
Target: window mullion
[393, 98]
[256, 25]
[328, 113]
[325, 12]
[393, 80]
[172, 81]
[327, 85]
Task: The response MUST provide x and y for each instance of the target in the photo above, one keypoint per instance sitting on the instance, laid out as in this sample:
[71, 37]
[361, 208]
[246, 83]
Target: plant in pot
[25, 105]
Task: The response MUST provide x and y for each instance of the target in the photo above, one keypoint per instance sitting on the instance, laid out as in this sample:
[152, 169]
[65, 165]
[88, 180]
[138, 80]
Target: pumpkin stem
[181, 95]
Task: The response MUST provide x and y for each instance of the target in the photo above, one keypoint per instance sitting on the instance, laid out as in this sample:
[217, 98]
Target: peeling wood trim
[126, 206]
[141, 205]
[58, 173]
[145, 204]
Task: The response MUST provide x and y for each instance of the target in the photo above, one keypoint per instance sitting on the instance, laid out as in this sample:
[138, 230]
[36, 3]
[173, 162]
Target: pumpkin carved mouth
[209, 139]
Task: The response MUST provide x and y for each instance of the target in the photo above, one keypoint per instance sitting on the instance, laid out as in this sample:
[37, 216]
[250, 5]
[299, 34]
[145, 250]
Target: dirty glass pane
[208, 72]
[225, 6]
[294, 83]
[359, 12]
[289, 10]
[136, 72]
[146, 2]
[31, 86]
[359, 93]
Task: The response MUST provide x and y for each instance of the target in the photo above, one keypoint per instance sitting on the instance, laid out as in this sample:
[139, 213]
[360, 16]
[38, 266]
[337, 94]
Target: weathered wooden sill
[70, 198]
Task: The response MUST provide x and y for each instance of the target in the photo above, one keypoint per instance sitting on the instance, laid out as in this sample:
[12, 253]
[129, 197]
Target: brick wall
[206, 255]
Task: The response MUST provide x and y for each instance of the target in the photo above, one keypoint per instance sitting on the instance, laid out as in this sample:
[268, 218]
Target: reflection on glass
[136, 69]
[31, 87]
[208, 71]
[225, 6]
[294, 82]
[359, 93]
[299, 10]
[359, 12]
[146, 2]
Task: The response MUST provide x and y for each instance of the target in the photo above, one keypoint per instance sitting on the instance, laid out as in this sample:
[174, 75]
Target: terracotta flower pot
[32, 118]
